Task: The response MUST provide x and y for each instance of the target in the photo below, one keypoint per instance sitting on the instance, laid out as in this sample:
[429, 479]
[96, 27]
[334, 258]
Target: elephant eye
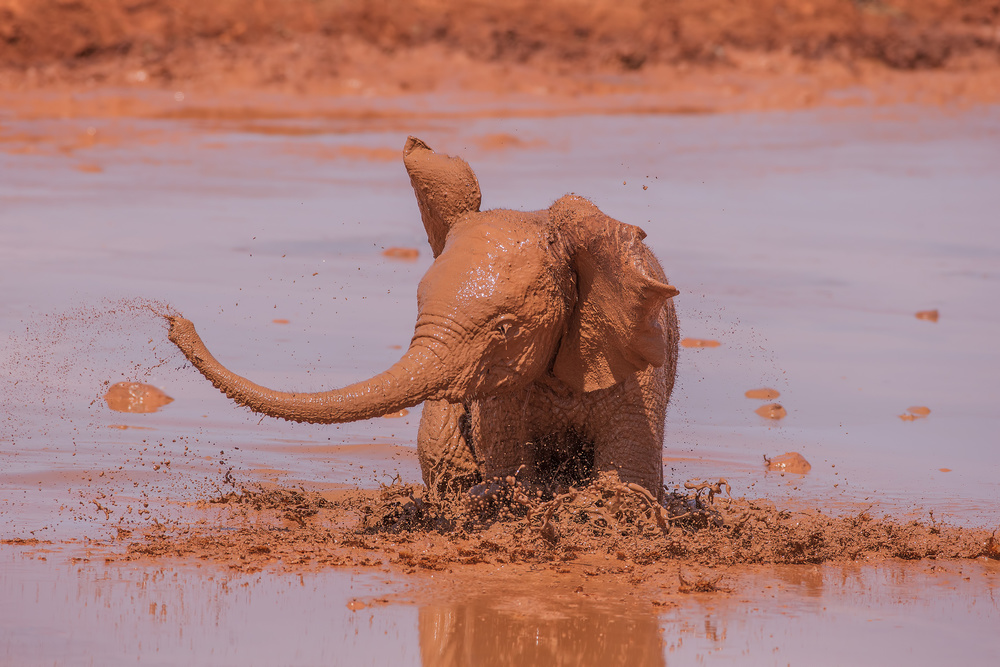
[507, 326]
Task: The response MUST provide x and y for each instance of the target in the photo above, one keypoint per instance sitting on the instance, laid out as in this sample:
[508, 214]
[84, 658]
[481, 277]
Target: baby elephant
[545, 345]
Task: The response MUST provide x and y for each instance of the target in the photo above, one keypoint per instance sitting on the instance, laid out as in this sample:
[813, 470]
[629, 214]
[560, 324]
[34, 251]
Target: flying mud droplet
[355, 604]
[929, 315]
[280, 320]
[771, 411]
[367, 153]
[503, 140]
[393, 415]
[699, 342]
[135, 397]
[944, 469]
[914, 413]
[90, 168]
[789, 462]
[401, 253]
[763, 394]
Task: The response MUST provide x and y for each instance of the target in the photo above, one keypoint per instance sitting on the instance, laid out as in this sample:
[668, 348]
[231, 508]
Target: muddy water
[802, 242]
[166, 613]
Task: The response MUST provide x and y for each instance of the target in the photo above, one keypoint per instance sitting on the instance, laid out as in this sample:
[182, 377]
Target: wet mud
[699, 342]
[914, 413]
[401, 253]
[773, 411]
[763, 394]
[609, 528]
[168, 532]
[395, 46]
[135, 397]
[792, 462]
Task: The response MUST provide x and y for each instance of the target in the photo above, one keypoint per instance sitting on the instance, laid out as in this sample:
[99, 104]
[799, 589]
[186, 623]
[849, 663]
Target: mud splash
[609, 528]
[401, 253]
[914, 413]
[44, 359]
[699, 342]
[763, 394]
[136, 397]
[773, 411]
[792, 462]
[928, 315]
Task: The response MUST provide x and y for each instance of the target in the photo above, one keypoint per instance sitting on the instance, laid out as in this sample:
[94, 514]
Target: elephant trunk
[416, 377]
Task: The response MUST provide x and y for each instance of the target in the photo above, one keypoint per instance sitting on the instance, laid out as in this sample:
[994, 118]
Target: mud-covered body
[545, 343]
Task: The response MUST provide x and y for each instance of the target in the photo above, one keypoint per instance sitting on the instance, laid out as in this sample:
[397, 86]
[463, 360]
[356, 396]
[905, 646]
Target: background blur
[430, 44]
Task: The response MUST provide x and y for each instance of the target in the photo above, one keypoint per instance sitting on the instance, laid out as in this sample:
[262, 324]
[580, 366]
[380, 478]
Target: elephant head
[512, 297]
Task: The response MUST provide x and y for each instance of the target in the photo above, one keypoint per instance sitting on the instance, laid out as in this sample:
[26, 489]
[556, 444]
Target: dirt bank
[572, 45]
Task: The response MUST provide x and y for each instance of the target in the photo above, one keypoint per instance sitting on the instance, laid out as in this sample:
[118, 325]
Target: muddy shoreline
[768, 54]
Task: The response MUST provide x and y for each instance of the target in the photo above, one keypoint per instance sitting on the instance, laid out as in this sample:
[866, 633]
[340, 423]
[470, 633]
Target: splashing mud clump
[401, 253]
[699, 342]
[928, 315]
[788, 462]
[135, 397]
[772, 411]
[607, 528]
[763, 394]
[914, 413]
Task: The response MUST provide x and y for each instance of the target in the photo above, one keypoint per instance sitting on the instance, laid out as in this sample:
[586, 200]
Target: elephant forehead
[486, 268]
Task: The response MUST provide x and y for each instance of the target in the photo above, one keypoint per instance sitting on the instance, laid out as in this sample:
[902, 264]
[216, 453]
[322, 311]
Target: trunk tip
[181, 329]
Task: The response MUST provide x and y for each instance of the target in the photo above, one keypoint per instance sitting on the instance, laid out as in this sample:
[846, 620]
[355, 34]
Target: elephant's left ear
[615, 328]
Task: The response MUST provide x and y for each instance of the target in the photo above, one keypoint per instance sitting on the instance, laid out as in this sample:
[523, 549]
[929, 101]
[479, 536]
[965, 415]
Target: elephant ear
[615, 329]
[445, 186]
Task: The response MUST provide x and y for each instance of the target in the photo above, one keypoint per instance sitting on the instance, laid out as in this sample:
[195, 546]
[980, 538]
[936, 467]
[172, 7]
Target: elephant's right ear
[445, 186]
[615, 328]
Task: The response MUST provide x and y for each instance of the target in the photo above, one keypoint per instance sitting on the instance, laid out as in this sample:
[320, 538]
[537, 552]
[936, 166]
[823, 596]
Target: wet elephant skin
[545, 344]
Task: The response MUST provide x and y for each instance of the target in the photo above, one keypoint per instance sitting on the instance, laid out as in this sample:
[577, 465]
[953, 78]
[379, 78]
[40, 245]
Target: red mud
[772, 411]
[698, 342]
[764, 53]
[216, 64]
[789, 462]
[763, 394]
[612, 530]
[135, 397]
[401, 253]
[914, 413]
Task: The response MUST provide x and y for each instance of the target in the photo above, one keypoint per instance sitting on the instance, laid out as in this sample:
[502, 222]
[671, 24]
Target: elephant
[545, 346]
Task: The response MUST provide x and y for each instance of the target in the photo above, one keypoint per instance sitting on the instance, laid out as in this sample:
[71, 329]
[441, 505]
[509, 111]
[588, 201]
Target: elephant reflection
[512, 630]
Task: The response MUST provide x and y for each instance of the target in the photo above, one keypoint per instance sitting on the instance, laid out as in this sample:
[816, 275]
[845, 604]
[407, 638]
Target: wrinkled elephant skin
[545, 343]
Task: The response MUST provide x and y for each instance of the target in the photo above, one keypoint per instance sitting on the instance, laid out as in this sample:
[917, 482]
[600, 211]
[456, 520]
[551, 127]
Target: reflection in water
[524, 631]
[807, 580]
[71, 607]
